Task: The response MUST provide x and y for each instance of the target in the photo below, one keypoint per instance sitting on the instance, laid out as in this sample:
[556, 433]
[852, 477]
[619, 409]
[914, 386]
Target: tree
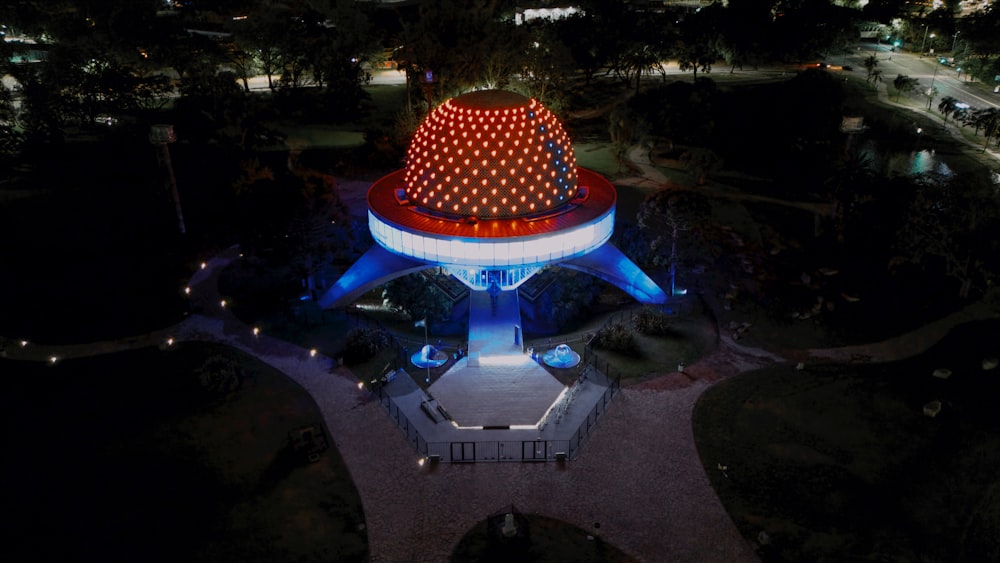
[462, 44]
[310, 236]
[947, 106]
[806, 29]
[642, 44]
[875, 77]
[681, 112]
[871, 64]
[244, 64]
[981, 34]
[979, 118]
[903, 83]
[588, 44]
[665, 218]
[11, 137]
[569, 296]
[850, 184]
[547, 66]
[743, 34]
[260, 37]
[951, 227]
[625, 128]
[418, 298]
[695, 49]
[700, 162]
[348, 44]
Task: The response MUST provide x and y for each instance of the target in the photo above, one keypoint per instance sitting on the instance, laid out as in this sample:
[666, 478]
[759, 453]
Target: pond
[925, 160]
[905, 163]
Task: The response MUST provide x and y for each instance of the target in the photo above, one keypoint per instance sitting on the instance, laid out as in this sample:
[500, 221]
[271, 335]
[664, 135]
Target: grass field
[126, 458]
[840, 463]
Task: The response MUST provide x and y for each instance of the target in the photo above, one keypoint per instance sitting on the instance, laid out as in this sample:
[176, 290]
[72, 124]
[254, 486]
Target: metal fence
[472, 451]
[592, 366]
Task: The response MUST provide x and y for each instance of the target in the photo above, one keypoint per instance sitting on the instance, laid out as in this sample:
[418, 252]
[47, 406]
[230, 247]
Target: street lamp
[930, 91]
[161, 135]
[954, 43]
[924, 42]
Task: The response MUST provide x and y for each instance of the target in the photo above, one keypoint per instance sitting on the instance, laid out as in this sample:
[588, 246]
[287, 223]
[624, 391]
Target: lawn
[97, 253]
[548, 541]
[840, 463]
[127, 458]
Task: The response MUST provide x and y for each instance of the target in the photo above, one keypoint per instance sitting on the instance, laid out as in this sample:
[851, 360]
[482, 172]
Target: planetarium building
[491, 192]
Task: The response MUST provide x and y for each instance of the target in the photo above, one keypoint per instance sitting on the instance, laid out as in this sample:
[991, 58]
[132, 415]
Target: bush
[652, 322]
[616, 337]
[219, 377]
[364, 343]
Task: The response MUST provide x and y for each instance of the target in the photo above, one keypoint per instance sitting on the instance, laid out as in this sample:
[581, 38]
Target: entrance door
[463, 451]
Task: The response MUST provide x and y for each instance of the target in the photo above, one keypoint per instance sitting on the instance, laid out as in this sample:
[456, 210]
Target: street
[927, 70]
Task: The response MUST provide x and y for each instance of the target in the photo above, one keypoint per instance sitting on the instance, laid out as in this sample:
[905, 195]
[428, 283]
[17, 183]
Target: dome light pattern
[490, 155]
[491, 192]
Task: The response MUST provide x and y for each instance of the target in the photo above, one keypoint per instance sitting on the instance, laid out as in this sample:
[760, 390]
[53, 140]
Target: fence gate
[534, 450]
[463, 451]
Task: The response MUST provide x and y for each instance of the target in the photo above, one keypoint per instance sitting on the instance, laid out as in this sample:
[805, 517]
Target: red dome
[490, 154]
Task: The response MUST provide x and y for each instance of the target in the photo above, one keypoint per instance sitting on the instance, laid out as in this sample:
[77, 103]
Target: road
[927, 70]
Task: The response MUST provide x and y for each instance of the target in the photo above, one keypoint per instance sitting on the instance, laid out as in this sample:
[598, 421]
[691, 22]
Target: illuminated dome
[490, 154]
[491, 193]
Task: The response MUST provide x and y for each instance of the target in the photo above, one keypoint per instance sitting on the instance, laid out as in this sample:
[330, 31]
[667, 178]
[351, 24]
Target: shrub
[364, 343]
[616, 337]
[219, 376]
[652, 322]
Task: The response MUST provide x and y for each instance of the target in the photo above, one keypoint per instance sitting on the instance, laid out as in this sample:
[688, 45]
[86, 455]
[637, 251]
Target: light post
[924, 42]
[161, 136]
[930, 90]
[954, 43]
[427, 360]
